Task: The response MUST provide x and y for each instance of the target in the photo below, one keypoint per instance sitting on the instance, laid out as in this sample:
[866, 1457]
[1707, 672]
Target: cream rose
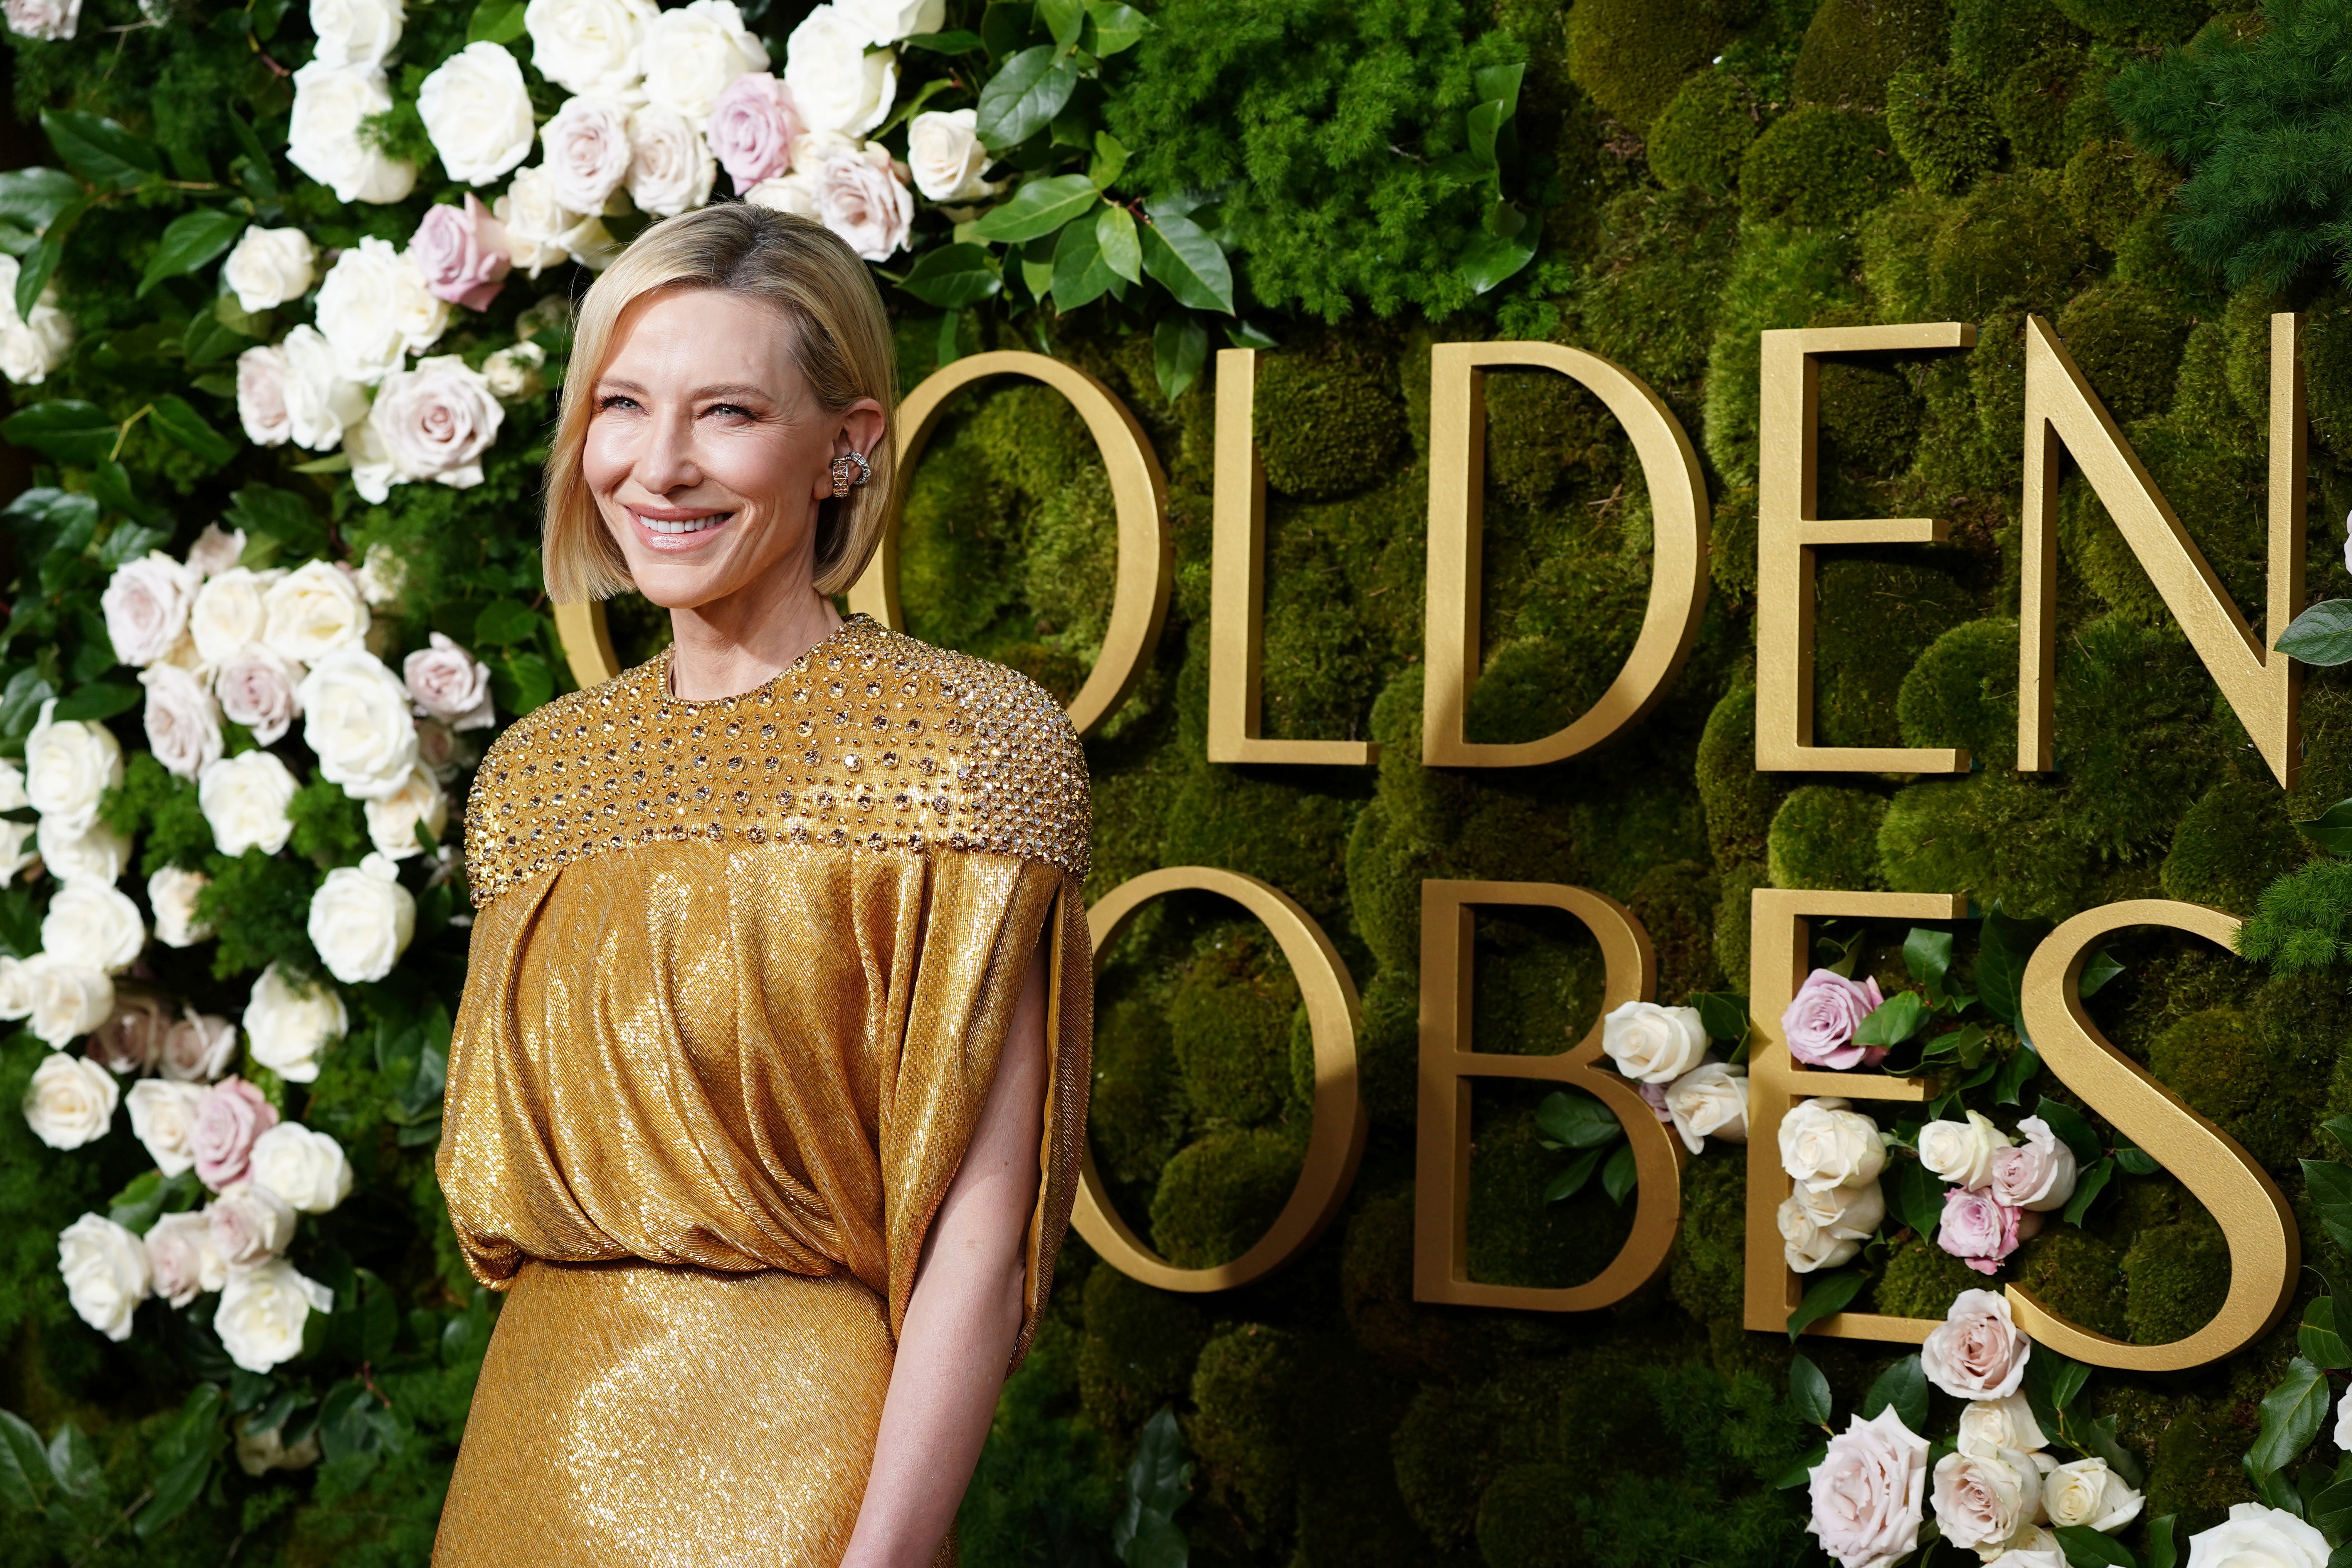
[1652, 1043]
[95, 854]
[2258, 1537]
[1977, 1352]
[837, 84]
[198, 1048]
[589, 46]
[262, 1311]
[270, 267]
[690, 55]
[146, 606]
[2086, 1492]
[541, 232]
[30, 347]
[49, 20]
[1867, 1491]
[1825, 1230]
[393, 821]
[258, 1453]
[944, 152]
[437, 420]
[355, 718]
[449, 684]
[164, 1120]
[70, 1101]
[324, 140]
[888, 21]
[243, 800]
[261, 377]
[354, 33]
[375, 307]
[477, 112]
[132, 1039]
[257, 687]
[14, 856]
[182, 1259]
[1983, 1499]
[2037, 1174]
[362, 920]
[171, 896]
[320, 403]
[587, 151]
[183, 721]
[305, 1168]
[215, 551]
[862, 198]
[1961, 1153]
[250, 1224]
[794, 193]
[288, 1025]
[2007, 1421]
[513, 372]
[230, 611]
[381, 574]
[374, 469]
[314, 611]
[1825, 1145]
[670, 167]
[105, 1271]
[68, 765]
[1710, 1101]
[66, 1001]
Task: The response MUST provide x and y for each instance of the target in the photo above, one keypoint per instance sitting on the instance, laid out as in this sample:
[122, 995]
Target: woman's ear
[863, 428]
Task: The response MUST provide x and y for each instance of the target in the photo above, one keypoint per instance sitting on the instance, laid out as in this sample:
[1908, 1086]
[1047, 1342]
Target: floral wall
[287, 293]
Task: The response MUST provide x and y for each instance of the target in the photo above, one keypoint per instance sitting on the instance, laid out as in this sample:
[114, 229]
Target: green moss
[1664, 257]
[1705, 128]
[1872, 620]
[1516, 1238]
[1819, 166]
[2177, 1276]
[1992, 37]
[1869, 418]
[1783, 276]
[2126, 339]
[1631, 54]
[2108, 184]
[1898, 242]
[1388, 1047]
[1140, 1349]
[2074, 1275]
[1540, 427]
[2139, 21]
[2234, 842]
[2199, 1474]
[1453, 1444]
[1376, 1294]
[1246, 1427]
[1941, 121]
[1329, 419]
[2327, 368]
[1527, 1518]
[2135, 737]
[2245, 1081]
[1853, 46]
[2216, 493]
[1732, 924]
[1962, 691]
[1993, 835]
[1706, 1276]
[1220, 1195]
[1738, 800]
[1675, 903]
[2031, 104]
[1135, 1114]
[1921, 1281]
[1825, 836]
[2007, 242]
[1229, 1020]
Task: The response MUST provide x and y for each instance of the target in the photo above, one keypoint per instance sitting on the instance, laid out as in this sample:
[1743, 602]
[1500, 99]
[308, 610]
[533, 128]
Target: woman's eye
[732, 410]
[616, 400]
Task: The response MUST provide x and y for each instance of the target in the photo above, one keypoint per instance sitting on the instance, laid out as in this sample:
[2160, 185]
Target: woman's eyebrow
[732, 389]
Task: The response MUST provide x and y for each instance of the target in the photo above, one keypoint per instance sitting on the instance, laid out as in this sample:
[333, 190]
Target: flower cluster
[1665, 1049]
[2000, 1188]
[1833, 1154]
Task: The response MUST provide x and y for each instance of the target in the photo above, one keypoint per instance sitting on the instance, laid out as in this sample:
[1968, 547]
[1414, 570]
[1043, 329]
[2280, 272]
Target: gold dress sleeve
[742, 974]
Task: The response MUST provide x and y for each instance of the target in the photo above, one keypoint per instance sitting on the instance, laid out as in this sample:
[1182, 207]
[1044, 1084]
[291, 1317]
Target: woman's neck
[733, 645]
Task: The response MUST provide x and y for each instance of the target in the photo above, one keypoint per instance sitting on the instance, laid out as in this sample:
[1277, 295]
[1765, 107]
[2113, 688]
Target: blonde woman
[766, 1094]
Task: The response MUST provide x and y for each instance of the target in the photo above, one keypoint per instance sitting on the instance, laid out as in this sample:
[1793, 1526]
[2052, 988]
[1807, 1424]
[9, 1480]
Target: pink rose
[249, 1225]
[197, 1049]
[2038, 1175]
[753, 127]
[462, 252]
[1868, 1491]
[232, 1116]
[215, 551]
[1820, 1023]
[587, 152]
[181, 1257]
[449, 684]
[131, 1040]
[1654, 1095]
[256, 690]
[1977, 1352]
[1980, 1230]
[862, 197]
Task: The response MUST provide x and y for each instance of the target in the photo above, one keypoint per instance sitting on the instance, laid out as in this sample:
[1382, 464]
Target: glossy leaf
[1496, 251]
[1112, 28]
[1108, 163]
[2330, 1509]
[1500, 82]
[2136, 1161]
[184, 427]
[2162, 1552]
[1571, 1182]
[2064, 1378]
[1808, 1392]
[32, 198]
[2004, 944]
[2067, 1123]
[98, 699]
[958, 42]
[1722, 1014]
[2017, 1070]
[1802, 1472]
[99, 151]
[1038, 208]
[1619, 1176]
[1022, 100]
[24, 1468]
[2331, 830]
[2329, 1184]
[2099, 1440]
[1063, 19]
[37, 266]
[953, 277]
[1081, 276]
[1180, 347]
[1904, 1386]
[496, 22]
[2292, 1413]
[1893, 1021]
[1144, 1534]
[1115, 236]
[2322, 1345]
[2087, 1548]
[2100, 968]
[1181, 258]
[1576, 1121]
[2340, 1128]
[1919, 1197]
[2087, 1188]
[1825, 1296]
[1927, 955]
[66, 428]
[2322, 635]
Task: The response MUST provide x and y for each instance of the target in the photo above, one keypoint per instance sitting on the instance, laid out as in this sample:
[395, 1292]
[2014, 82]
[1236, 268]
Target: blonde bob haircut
[840, 345]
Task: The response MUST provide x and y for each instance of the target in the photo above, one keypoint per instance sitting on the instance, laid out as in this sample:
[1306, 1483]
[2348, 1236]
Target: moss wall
[1730, 166]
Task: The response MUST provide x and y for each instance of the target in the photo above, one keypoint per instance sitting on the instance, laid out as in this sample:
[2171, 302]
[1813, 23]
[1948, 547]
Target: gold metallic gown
[740, 973]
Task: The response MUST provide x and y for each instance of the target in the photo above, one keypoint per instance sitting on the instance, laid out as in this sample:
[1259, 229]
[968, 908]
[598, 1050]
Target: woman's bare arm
[964, 1315]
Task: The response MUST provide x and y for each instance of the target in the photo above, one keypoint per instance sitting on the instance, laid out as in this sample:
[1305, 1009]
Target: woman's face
[707, 453]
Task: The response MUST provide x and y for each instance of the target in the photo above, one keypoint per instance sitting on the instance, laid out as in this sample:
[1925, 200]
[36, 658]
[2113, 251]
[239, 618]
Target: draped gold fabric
[740, 975]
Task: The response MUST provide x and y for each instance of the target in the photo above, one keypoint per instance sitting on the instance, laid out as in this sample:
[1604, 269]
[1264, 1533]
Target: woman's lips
[676, 528]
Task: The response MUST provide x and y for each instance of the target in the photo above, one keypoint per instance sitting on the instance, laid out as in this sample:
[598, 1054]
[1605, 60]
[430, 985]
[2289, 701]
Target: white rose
[258, 1453]
[670, 165]
[243, 800]
[381, 572]
[1710, 1101]
[256, 688]
[477, 111]
[440, 750]
[14, 856]
[943, 151]
[392, 821]
[1825, 1229]
[437, 421]
[271, 267]
[354, 33]
[1983, 1499]
[146, 606]
[70, 1101]
[162, 1115]
[2085, 1492]
[319, 400]
[230, 612]
[1977, 1352]
[2037, 1174]
[541, 232]
[314, 611]
[95, 854]
[588, 46]
[64, 1000]
[2258, 1537]
[1653, 1044]
[307, 1169]
[362, 920]
[250, 1224]
[888, 21]
[375, 307]
[324, 140]
[12, 787]
[182, 1259]
[261, 376]
[172, 895]
[1987, 1425]
[355, 718]
[215, 551]
[1960, 1152]
[198, 1048]
[30, 349]
[182, 718]
[794, 193]
[68, 765]
[105, 1270]
[262, 1311]
[837, 85]
[513, 372]
[587, 151]
[288, 1025]
[449, 684]
[93, 926]
[689, 55]
[1825, 1145]
[860, 197]
[374, 469]
[49, 20]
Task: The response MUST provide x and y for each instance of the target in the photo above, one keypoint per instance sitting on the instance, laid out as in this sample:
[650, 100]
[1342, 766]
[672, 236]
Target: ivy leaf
[2094, 1181]
[2322, 635]
[1081, 274]
[1893, 1021]
[191, 240]
[1808, 1392]
[101, 151]
[496, 22]
[1576, 1121]
[1180, 347]
[953, 275]
[2067, 1122]
[1181, 258]
[1826, 1296]
[1619, 1176]
[2087, 1548]
[1022, 100]
[1115, 236]
[2292, 1413]
[66, 428]
[184, 427]
[1038, 208]
[1112, 28]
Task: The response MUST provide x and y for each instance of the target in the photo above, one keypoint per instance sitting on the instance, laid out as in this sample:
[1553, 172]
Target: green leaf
[24, 1468]
[32, 198]
[73, 1463]
[1571, 1182]
[1903, 1386]
[1919, 1197]
[1080, 274]
[189, 241]
[496, 22]
[40, 264]
[1808, 1392]
[1063, 19]
[1722, 1014]
[1159, 1482]
[1108, 163]
[1799, 1473]
[2087, 1548]
[2331, 830]
[1484, 124]
[176, 1486]
[1828, 1294]
[958, 42]
[1246, 335]
[504, 622]
[110, 484]
[2017, 1070]
[2330, 1509]
[519, 681]
[1619, 1176]
[1893, 1021]
[98, 699]
[2322, 635]
[2329, 1183]
[2274, 1489]
[267, 512]
[2340, 1128]
[184, 427]
[2292, 1413]
[210, 340]
[1115, 238]
[1022, 100]
[1498, 248]
[1500, 83]
[2063, 1378]
[2004, 944]
[1576, 1121]
[1180, 347]
[953, 277]
[2136, 1161]
[20, 706]
[2322, 1345]
[2099, 1440]
[1112, 28]
[66, 428]
[1180, 256]
[2094, 1181]
[1927, 955]
[2101, 969]
[2067, 1123]
[1038, 208]
[102, 153]
[2162, 1553]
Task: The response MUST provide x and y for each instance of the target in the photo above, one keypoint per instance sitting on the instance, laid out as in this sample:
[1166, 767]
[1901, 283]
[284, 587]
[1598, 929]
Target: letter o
[1336, 1140]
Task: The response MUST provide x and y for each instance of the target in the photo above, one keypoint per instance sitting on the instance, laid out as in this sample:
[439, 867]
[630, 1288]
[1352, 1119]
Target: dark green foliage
[261, 904]
[2198, 1473]
[1869, 418]
[1991, 835]
[329, 828]
[2327, 368]
[1248, 1426]
[1631, 54]
[2177, 1276]
[1855, 46]
[152, 803]
[1527, 1516]
[1941, 121]
[1921, 1279]
[1825, 836]
[2140, 21]
[1872, 619]
[1140, 1349]
[1700, 136]
[2233, 842]
[2075, 1275]
[1819, 165]
[1992, 37]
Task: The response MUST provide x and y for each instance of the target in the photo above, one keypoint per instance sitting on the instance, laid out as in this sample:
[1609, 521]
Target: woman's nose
[666, 462]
